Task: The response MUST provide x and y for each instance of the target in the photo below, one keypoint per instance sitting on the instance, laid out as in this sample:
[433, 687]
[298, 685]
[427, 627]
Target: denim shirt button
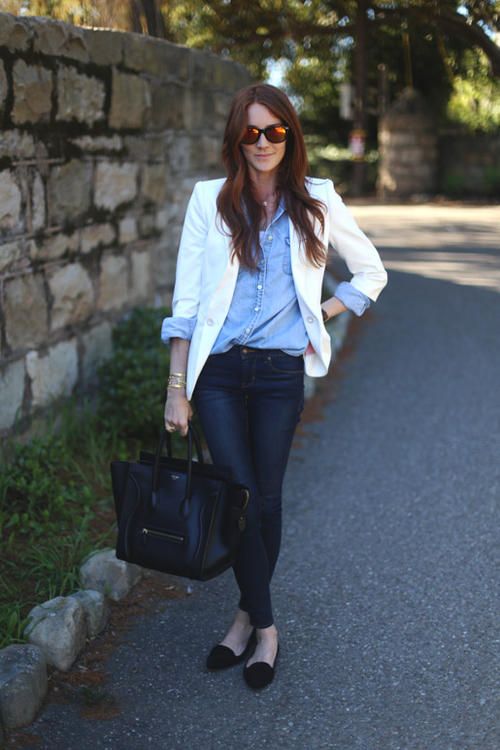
[310, 319]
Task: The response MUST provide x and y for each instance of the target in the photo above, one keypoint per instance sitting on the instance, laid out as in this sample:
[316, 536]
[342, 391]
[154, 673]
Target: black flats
[221, 657]
[260, 673]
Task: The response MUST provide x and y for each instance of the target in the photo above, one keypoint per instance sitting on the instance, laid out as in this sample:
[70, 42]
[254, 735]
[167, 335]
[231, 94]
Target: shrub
[132, 382]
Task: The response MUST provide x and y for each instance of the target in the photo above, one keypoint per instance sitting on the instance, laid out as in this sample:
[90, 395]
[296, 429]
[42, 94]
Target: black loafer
[260, 673]
[221, 657]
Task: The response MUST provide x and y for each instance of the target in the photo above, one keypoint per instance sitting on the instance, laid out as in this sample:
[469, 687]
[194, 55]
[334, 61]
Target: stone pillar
[408, 149]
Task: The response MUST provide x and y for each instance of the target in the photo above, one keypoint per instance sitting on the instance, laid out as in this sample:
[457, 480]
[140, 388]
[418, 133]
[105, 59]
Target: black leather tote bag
[175, 515]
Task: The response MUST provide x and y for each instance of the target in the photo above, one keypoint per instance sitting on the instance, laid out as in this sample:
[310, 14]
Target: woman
[248, 322]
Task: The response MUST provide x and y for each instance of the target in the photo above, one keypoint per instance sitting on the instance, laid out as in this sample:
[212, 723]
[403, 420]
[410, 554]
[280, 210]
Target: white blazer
[206, 277]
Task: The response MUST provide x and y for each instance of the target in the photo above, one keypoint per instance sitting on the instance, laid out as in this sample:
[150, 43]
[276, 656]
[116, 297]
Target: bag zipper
[163, 534]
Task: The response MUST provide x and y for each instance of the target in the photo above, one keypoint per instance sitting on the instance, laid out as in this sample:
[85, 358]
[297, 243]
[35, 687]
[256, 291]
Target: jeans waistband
[243, 349]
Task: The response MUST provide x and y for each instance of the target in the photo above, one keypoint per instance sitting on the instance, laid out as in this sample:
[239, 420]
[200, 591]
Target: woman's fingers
[177, 417]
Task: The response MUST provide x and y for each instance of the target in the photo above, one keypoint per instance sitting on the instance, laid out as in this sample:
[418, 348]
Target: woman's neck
[264, 184]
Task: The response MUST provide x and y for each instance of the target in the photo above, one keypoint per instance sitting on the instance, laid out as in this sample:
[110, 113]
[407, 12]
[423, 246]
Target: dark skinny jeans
[249, 402]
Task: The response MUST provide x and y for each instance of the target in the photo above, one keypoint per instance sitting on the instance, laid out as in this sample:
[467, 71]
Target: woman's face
[263, 156]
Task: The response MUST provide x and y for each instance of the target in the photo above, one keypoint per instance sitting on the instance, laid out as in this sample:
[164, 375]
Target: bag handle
[165, 437]
[196, 438]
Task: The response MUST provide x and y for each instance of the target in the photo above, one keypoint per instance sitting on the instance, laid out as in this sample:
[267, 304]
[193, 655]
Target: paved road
[386, 587]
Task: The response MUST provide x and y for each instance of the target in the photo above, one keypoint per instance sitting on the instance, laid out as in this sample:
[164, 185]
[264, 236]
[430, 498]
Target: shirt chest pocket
[287, 261]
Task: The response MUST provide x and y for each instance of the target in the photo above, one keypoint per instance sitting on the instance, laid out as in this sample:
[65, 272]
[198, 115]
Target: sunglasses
[273, 133]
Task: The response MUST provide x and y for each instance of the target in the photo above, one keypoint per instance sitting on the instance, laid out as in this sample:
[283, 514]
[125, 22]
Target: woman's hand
[178, 411]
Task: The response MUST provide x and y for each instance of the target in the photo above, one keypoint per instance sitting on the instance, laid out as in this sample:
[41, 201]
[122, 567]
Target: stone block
[12, 390]
[59, 628]
[15, 33]
[10, 253]
[180, 155]
[147, 225]
[96, 609]
[59, 39]
[103, 572]
[37, 203]
[17, 144]
[10, 201]
[127, 230]
[96, 235]
[23, 683]
[202, 69]
[130, 101]
[69, 189]
[228, 75]
[156, 56]
[105, 46]
[99, 143]
[54, 374]
[3, 86]
[72, 293]
[79, 97]
[170, 106]
[147, 146]
[164, 261]
[115, 184]
[32, 93]
[205, 152]
[97, 347]
[141, 276]
[161, 219]
[194, 110]
[113, 288]
[55, 246]
[25, 311]
[154, 182]
[222, 105]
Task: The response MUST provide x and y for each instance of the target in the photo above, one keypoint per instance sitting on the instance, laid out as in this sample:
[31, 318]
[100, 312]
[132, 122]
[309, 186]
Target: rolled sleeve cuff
[352, 298]
[179, 327]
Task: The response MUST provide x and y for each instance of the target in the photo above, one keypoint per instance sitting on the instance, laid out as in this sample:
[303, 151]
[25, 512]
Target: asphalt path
[386, 590]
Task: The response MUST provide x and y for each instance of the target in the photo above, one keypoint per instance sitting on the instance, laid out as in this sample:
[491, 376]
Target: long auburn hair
[236, 192]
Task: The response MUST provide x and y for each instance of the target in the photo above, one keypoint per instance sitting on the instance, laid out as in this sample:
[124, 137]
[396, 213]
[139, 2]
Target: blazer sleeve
[186, 294]
[354, 247]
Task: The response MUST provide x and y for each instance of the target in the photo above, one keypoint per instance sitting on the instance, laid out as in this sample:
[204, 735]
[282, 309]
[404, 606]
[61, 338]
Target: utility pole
[358, 135]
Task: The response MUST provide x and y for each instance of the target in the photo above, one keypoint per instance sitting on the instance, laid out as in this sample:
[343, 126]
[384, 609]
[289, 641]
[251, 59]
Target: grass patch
[56, 503]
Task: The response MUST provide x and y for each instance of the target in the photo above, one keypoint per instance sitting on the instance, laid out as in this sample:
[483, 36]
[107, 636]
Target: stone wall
[469, 164]
[103, 134]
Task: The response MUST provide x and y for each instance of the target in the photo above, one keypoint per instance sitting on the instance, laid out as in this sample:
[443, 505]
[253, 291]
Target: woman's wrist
[332, 307]
[176, 393]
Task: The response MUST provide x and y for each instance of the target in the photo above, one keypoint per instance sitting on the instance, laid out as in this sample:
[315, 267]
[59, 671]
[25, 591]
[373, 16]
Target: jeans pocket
[286, 363]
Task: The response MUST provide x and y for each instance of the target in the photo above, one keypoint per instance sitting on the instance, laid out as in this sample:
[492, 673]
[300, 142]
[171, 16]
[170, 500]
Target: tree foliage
[427, 43]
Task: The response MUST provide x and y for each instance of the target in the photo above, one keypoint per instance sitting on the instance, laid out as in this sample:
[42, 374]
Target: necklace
[269, 197]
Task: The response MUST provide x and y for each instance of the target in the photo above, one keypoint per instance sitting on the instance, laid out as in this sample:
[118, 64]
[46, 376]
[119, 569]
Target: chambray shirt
[264, 310]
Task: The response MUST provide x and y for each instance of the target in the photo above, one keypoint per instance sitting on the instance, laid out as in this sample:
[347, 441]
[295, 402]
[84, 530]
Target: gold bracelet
[179, 374]
[176, 385]
[176, 378]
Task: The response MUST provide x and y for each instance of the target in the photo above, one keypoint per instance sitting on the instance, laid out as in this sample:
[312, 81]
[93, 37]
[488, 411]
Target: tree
[423, 42]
